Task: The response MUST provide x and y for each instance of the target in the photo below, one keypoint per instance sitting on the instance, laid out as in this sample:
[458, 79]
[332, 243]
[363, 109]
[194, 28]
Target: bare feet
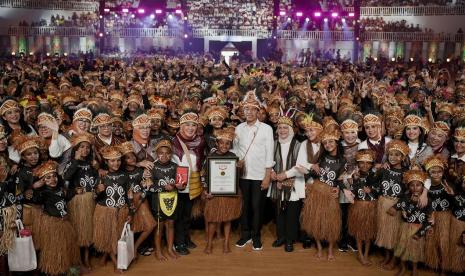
[208, 249]
[119, 271]
[319, 255]
[226, 248]
[401, 271]
[159, 255]
[383, 262]
[389, 267]
[103, 260]
[363, 261]
[331, 257]
[172, 254]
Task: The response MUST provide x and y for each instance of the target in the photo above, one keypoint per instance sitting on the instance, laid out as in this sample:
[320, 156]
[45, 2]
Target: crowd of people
[351, 156]
[85, 19]
[400, 3]
[378, 24]
[234, 14]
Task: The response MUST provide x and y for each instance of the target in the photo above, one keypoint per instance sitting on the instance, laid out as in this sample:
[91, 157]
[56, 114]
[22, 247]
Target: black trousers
[344, 224]
[252, 208]
[287, 221]
[183, 220]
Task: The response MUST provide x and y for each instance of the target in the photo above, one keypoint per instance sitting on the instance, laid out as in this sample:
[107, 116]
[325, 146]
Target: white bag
[125, 247]
[22, 255]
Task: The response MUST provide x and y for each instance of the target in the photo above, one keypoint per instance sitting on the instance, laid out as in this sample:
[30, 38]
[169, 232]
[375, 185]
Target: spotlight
[158, 11]
[274, 37]
[65, 54]
[393, 59]
[411, 59]
[317, 14]
[299, 14]
[430, 60]
[186, 36]
[307, 19]
[13, 53]
[282, 13]
[141, 11]
[185, 18]
[152, 16]
[100, 16]
[133, 16]
[170, 16]
[448, 59]
[100, 34]
[48, 54]
[31, 53]
[116, 16]
[289, 19]
[351, 14]
[343, 20]
[334, 14]
[178, 11]
[326, 20]
[125, 10]
[375, 59]
[106, 10]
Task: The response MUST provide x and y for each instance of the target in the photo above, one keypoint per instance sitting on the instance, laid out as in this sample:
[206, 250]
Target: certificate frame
[228, 173]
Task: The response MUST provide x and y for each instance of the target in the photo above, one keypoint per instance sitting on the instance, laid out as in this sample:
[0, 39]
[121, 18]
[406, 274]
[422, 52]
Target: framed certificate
[222, 175]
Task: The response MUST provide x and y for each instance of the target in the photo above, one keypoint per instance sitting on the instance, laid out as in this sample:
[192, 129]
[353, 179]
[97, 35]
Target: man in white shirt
[375, 141]
[254, 147]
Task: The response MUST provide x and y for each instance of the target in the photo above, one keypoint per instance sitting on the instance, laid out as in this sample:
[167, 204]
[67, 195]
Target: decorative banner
[22, 45]
[383, 49]
[392, 49]
[56, 45]
[14, 44]
[415, 51]
[367, 46]
[400, 47]
[433, 50]
[39, 42]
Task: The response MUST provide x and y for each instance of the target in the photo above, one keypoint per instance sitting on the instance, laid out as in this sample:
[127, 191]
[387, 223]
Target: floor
[244, 261]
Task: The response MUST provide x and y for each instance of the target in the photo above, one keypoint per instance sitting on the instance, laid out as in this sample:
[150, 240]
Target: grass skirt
[437, 244]
[387, 234]
[198, 207]
[457, 248]
[32, 220]
[81, 212]
[362, 220]
[60, 250]
[143, 219]
[321, 214]
[409, 249]
[223, 208]
[108, 225]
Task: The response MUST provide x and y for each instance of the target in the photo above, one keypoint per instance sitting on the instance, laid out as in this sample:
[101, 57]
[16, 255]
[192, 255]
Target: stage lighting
[116, 16]
[317, 14]
[282, 13]
[185, 18]
[375, 59]
[152, 16]
[334, 14]
[106, 10]
[65, 54]
[170, 16]
[13, 53]
[141, 11]
[100, 16]
[133, 16]
[448, 59]
[299, 14]
[343, 20]
[430, 60]
[289, 19]
[351, 14]
[48, 54]
[100, 34]
[158, 11]
[125, 10]
[186, 36]
[326, 20]
[178, 11]
[307, 19]
[393, 59]
[31, 53]
[411, 59]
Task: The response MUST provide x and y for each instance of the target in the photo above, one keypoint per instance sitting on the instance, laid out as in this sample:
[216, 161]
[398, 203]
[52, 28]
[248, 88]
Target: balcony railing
[303, 35]
[410, 10]
[51, 31]
[90, 6]
[198, 33]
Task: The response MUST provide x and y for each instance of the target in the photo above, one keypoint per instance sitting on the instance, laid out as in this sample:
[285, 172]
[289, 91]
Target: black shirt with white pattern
[411, 213]
[115, 194]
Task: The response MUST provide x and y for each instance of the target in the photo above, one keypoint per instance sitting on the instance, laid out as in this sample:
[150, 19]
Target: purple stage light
[186, 36]
[152, 16]
[326, 20]
[334, 14]
[141, 11]
[351, 14]
[343, 20]
[106, 10]
[317, 14]
[307, 19]
[282, 13]
[178, 11]
[125, 10]
[158, 11]
[299, 14]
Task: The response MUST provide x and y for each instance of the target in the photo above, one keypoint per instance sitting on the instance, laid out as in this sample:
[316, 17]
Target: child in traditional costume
[111, 211]
[221, 209]
[321, 209]
[143, 221]
[437, 245]
[82, 177]
[362, 213]
[162, 193]
[416, 222]
[389, 187]
[59, 249]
